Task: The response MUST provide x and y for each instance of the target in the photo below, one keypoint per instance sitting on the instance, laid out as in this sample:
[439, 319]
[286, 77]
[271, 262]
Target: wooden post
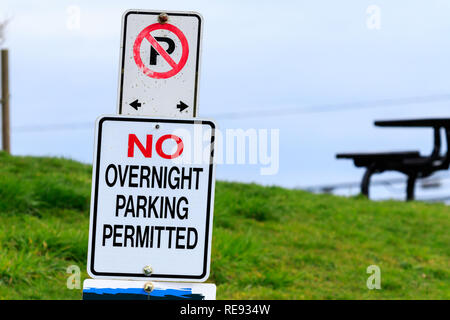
[5, 102]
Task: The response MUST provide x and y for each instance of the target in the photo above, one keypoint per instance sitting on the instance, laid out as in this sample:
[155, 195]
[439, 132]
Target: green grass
[268, 242]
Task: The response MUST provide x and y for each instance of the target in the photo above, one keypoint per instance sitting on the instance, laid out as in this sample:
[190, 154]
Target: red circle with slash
[145, 34]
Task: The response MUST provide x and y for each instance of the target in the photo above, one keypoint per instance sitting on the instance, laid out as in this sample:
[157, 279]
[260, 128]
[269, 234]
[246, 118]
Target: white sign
[151, 204]
[143, 290]
[160, 63]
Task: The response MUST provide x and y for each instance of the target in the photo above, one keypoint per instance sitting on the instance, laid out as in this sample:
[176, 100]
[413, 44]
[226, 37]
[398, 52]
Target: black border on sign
[197, 62]
[208, 205]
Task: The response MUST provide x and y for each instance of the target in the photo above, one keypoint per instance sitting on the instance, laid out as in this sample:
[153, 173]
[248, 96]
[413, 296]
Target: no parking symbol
[157, 49]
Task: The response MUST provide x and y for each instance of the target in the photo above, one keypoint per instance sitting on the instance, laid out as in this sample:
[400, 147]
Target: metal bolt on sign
[148, 287]
[148, 270]
[163, 18]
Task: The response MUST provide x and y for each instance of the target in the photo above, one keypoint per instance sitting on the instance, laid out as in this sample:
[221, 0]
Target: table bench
[410, 163]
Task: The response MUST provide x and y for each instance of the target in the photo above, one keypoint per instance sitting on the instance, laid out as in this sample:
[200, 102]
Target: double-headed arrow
[136, 105]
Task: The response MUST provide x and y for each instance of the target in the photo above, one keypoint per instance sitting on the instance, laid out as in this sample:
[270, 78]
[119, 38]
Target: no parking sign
[151, 204]
[159, 64]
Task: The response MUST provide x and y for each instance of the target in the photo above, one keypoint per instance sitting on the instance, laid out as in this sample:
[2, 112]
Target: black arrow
[135, 104]
[182, 106]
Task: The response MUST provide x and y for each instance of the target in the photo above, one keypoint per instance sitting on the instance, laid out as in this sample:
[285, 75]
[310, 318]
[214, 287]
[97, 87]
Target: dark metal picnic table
[436, 123]
[411, 163]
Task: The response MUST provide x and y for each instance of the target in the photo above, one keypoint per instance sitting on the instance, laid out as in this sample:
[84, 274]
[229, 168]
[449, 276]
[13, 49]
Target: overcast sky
[320, 57]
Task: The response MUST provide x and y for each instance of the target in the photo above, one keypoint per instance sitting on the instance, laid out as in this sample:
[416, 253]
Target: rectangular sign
[145, 290]
[160, 63]
[152, 199]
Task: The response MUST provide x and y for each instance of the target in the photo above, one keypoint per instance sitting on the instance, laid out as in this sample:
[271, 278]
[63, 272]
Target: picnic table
[411, 162]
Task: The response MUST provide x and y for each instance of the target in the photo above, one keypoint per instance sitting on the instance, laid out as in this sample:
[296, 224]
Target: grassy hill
[268, 242]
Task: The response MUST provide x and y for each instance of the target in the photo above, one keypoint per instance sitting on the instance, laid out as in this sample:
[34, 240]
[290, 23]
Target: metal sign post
[6, 139]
